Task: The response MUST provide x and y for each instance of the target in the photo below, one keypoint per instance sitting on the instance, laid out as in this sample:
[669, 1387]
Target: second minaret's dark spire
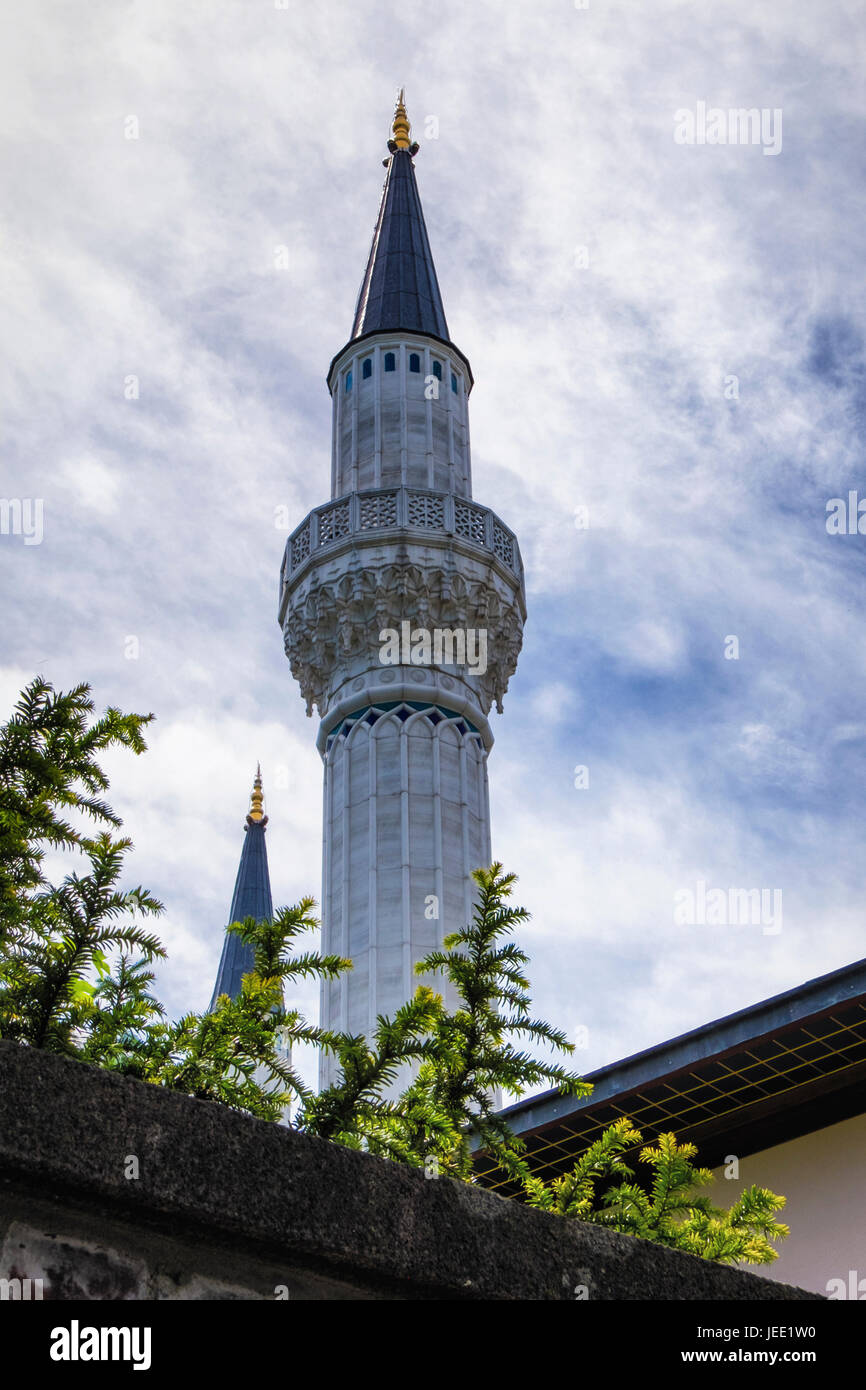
[252, 898]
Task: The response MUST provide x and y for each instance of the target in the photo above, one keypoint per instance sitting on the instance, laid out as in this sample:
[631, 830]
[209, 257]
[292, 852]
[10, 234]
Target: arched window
[390, 362]
[414, 362]
[454, 383]
[348, 381]
[367, 367]
[437, 370]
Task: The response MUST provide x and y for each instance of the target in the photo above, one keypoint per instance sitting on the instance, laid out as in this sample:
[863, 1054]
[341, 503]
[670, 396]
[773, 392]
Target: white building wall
[822, 1176]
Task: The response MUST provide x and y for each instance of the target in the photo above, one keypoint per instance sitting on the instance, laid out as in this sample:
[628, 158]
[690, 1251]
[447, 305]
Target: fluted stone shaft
[406, 822]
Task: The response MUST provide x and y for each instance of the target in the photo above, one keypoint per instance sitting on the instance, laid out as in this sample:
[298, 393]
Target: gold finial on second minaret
[400, 130]
[256, 813]
[401, 125]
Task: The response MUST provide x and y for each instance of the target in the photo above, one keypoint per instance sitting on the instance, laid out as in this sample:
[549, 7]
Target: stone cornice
[335, 608]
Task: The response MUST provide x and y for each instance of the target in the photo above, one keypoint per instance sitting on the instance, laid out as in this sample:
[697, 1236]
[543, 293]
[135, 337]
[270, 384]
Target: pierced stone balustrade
[400, 508]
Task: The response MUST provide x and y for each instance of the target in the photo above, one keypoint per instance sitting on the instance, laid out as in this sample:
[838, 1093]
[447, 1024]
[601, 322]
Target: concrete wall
[822, 1176]
[113, 1189]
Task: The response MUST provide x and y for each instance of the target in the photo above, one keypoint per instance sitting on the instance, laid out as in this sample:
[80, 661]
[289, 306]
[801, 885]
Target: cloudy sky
[668, 335]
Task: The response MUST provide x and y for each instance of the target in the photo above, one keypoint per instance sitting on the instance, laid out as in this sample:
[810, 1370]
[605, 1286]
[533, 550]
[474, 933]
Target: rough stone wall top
[211, 1179]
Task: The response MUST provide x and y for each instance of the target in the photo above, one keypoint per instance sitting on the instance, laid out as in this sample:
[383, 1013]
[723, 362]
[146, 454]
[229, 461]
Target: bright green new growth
[666, 1208]
[451, 1063]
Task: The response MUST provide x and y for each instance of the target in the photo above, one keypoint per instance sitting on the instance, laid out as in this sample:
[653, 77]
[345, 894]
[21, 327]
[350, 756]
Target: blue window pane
[437, 370]
[348, 381]
[367, 367]
[454, 383]
[390, 363]
[414, 362]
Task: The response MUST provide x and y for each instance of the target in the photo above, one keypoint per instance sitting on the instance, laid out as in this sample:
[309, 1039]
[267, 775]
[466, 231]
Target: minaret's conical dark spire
[400, 289]
[252, 898]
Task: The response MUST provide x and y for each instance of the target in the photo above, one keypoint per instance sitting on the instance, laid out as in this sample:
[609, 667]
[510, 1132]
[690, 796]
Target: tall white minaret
[400, 552]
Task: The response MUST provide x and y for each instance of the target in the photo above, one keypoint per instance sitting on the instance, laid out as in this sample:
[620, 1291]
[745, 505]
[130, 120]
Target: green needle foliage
[667, 1206]
[480, 1048]
[74, 958]
[464, 1057]
[45, 995]
[76, 978]
[124, 1011]
[354, 1111]
[576, 1193]
[48, 768]
[52, 938]
[240, 1054]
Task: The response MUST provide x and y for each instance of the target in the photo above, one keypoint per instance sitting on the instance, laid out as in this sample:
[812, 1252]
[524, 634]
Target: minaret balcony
[399, 509]
[369, 561]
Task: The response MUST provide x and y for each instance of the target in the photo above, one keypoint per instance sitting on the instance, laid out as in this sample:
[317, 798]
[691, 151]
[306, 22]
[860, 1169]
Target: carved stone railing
[400, 508]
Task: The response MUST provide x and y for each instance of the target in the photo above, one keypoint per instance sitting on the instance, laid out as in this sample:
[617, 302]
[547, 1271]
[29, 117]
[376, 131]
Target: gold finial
[401, 125]
[256, 813]
[400, 130]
